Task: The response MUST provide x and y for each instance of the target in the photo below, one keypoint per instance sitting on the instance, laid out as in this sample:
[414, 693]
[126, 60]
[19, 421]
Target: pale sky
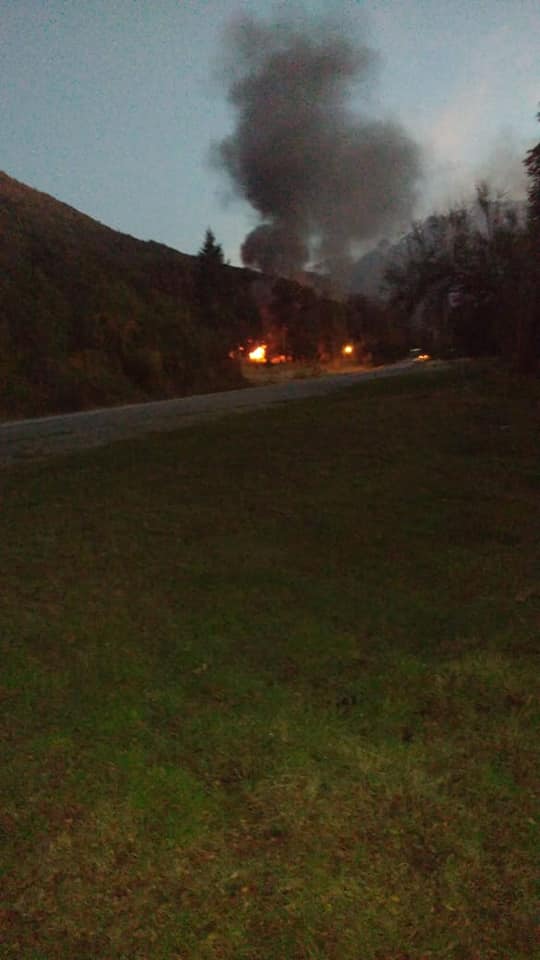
[112, 105]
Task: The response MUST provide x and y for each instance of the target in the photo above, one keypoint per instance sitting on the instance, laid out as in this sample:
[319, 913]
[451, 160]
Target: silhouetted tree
[209, 281]
[381, 333]
[211, 252]
[425, 272]
[532, 165]
[459, 277]
[529, 328]
[225, 305]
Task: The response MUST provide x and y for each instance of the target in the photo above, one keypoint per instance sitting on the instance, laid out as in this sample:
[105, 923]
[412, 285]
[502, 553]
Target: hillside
[91, 316]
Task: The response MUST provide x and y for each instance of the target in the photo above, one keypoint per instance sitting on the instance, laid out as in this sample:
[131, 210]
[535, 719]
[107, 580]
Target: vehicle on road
[418, 354]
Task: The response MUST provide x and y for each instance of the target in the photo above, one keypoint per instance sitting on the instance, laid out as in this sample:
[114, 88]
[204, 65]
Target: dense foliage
[532, 164]
[89, 316]
[469, 280]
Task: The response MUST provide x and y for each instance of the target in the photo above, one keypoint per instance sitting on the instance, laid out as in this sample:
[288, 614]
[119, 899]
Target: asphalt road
[43, 437]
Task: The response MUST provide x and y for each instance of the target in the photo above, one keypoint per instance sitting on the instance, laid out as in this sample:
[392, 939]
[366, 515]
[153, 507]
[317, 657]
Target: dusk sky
[112, 105]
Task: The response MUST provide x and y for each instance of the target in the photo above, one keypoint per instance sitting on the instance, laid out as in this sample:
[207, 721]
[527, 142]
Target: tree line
[468, 280]
[90, 317]
[463, 282]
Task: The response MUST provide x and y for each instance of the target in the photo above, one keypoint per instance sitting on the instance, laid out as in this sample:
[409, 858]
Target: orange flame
[258, 355]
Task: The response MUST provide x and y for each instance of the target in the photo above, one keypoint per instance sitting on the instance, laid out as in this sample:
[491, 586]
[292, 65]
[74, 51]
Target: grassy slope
[90, 316]
[269, 685]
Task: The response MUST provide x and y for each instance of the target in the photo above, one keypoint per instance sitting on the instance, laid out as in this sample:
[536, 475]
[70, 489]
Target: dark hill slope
[91, 316]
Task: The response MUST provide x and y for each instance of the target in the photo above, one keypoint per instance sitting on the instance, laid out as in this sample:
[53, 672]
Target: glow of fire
[258, 355]
[347, 349]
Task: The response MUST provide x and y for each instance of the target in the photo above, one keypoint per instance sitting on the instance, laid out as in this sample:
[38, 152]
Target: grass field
[269, 685]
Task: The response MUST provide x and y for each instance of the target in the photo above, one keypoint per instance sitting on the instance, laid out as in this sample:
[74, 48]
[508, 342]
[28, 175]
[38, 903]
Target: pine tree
[213, 286]
[211, 252]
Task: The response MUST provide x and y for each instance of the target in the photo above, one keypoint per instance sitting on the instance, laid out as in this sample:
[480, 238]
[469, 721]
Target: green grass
[269, 688]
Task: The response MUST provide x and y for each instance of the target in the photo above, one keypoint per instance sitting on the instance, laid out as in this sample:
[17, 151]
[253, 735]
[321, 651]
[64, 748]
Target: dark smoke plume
[321, 178]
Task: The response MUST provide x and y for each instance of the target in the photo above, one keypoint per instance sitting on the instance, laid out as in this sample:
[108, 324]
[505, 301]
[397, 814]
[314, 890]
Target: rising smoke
[322, 178]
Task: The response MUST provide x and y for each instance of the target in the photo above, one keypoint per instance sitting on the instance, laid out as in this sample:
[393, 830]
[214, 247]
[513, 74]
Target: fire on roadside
[258, 354]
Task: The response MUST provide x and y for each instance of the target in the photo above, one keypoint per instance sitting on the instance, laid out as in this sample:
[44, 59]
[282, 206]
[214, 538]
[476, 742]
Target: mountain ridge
[90, 315]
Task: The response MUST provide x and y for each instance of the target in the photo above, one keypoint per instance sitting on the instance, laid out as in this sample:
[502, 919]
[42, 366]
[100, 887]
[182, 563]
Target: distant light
[347, 349]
